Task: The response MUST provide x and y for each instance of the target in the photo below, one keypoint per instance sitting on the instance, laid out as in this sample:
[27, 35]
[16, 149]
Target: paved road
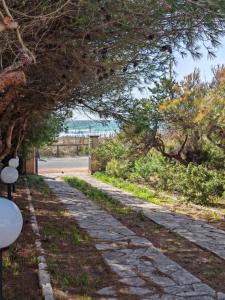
[64, 165]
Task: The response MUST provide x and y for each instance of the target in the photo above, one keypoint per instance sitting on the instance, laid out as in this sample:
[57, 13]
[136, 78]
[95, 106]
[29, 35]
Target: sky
[184, 67]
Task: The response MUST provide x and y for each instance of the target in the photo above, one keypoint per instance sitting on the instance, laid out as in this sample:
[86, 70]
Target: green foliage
[100, 58]
[107, 150]
[117, 168]
[175, 139]
[197, 183]
[44, 131]
[200, 185]
[137, 190]
[215, 156]
[150, 165]
[180, 120]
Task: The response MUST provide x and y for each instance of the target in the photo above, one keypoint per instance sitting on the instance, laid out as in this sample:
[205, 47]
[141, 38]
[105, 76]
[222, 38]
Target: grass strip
[137, 190]
[107, 202]
[148, 195]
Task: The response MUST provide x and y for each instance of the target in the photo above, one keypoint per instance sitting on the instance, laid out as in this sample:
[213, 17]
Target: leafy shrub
[117, 168]
[157, 171]
[215, 156]
[150, 165]
[107, 150]
[200, 185]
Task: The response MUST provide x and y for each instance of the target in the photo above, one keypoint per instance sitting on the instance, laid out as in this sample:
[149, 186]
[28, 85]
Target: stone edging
[43, 275]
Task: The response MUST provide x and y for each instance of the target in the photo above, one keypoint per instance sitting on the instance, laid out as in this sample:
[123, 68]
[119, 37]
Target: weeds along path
[198, 232]
[145, 272]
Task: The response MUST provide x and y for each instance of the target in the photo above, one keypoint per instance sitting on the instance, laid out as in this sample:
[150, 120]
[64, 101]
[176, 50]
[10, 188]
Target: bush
[150, 165]
[200, 185]
[158, 171]
[118, 168]
[215, 158]
[107, 150]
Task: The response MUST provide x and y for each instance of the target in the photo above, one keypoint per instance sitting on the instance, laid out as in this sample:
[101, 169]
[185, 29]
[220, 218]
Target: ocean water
[90, 127]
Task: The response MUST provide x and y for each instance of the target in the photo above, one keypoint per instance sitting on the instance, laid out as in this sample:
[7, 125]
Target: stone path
[198, 232]
[142, 269]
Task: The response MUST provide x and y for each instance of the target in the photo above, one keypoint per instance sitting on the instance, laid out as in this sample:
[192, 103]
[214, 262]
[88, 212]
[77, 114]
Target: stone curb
[43, 275]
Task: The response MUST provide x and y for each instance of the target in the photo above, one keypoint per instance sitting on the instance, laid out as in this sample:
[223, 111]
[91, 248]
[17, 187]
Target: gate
[67, 147]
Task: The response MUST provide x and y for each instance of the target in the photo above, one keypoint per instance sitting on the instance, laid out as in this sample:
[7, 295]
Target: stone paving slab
[142, 269]
[198, 232]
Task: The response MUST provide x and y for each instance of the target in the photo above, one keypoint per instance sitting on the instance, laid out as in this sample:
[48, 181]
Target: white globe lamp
[9, 175]
[14, 162]
[11, 222]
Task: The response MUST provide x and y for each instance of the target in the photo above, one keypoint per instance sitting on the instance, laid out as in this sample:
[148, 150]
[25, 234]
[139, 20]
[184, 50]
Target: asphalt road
[63, 165]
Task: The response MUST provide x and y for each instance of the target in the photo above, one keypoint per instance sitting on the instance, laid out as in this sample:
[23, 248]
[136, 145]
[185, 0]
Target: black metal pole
[1, 275]
[9, 191]
[14, 188]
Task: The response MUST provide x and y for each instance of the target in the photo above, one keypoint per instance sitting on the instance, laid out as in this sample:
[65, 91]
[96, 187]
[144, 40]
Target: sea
[81, 128]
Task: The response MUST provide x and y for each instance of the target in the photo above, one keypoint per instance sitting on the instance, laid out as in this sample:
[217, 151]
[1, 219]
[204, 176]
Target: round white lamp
[11, 222]
[9, 175]
[14, 162]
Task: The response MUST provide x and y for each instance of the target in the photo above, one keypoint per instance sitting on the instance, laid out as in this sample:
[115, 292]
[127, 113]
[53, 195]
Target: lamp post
[14, 163]
[11, 223]
[9, 175]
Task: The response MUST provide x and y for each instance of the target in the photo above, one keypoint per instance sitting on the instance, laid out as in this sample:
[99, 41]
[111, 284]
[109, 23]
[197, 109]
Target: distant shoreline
[82, 128]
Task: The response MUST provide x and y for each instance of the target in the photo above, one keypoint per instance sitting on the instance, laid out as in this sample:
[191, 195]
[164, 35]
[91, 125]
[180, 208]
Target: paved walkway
[198, 232]
[142, 269]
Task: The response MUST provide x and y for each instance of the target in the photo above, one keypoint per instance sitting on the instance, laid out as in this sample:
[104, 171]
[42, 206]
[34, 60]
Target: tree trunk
[5, 143]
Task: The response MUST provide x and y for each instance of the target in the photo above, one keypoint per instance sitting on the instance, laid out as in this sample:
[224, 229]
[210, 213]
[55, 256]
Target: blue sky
[187, 65]
[184, 67]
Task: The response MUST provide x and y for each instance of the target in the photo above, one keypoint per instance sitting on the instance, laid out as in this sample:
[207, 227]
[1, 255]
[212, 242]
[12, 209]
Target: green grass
[38, 183]
[107, 202]
[148, 195]
[97, 195]
[81, 281]
[136, 190]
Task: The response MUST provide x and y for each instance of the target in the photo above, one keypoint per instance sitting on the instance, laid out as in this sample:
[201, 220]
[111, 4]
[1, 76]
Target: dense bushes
[117, 168]
[201, 184]
[107, 150]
